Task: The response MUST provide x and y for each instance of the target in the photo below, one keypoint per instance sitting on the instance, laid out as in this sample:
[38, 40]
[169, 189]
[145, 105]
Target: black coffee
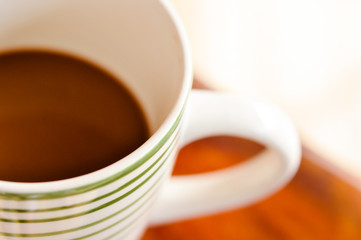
[62, 117]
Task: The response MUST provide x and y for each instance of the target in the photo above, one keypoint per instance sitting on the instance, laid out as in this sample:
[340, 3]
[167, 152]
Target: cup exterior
[113, 207]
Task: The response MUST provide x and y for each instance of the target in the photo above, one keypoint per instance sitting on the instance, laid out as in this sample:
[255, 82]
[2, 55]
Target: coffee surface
[61, 117]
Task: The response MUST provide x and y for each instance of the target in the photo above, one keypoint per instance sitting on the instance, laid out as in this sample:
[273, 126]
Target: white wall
[303, 55]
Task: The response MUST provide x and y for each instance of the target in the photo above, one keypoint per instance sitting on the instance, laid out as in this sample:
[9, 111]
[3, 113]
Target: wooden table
[316, 204]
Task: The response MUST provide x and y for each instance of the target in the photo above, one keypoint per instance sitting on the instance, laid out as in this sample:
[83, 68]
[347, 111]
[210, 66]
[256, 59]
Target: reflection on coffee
[62, 117]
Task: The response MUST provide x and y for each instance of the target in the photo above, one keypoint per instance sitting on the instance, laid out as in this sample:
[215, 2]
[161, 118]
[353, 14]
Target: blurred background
[304, 56]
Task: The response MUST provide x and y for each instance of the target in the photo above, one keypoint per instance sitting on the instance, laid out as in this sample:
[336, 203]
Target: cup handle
[212, 114]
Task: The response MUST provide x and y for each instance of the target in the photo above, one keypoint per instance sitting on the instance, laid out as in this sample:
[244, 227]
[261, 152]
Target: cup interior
[135, 40]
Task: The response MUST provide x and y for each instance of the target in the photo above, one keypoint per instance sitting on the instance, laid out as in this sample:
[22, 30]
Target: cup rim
[72, 184]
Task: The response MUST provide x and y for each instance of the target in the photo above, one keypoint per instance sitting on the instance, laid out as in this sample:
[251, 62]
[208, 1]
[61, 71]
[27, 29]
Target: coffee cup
[143, 42]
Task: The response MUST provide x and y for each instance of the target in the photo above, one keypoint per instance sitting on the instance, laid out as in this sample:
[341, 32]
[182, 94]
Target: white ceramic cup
[142, 42]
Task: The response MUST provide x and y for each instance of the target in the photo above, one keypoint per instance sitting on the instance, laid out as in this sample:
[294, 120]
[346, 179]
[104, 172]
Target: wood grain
[316, 204]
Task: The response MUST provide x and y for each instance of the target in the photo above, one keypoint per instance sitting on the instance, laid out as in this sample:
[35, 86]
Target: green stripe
[96, 222]
[96, 208]
[95, 199]
[119, 231]
[116, 223]
[92, 186]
